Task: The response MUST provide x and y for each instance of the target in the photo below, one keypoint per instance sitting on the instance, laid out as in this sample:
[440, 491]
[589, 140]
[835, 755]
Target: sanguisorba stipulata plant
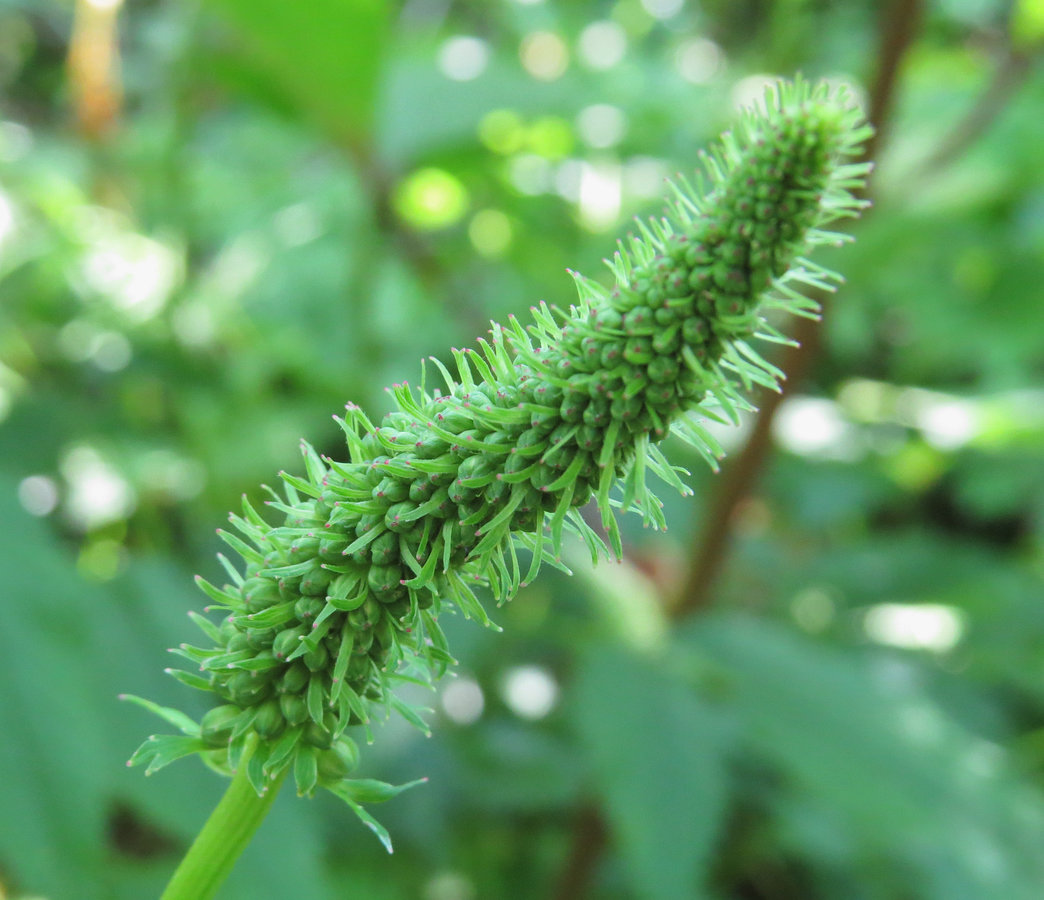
[474, 482]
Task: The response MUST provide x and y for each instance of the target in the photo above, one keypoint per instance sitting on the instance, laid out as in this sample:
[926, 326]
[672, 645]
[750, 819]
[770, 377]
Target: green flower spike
[338, 603]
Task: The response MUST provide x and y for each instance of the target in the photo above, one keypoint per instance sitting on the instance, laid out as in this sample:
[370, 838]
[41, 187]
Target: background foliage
[220, 222]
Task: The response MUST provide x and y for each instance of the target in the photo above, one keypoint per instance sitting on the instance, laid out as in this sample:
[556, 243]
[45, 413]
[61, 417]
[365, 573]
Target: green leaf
[1027, 23]
[656, 752]
[861, 748]
[55, 753]
[162, 749]
[174, 716]
[410, 714]
[323, 56]
[306, 771]
[369, 821]
[368, 790]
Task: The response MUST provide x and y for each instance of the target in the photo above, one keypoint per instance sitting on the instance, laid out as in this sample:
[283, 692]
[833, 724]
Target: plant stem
[224, 837]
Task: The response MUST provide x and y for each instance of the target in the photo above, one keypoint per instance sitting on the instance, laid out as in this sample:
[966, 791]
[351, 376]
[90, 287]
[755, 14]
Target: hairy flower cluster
[340, 600]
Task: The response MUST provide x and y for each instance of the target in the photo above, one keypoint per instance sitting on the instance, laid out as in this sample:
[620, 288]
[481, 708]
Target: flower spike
[338, 601]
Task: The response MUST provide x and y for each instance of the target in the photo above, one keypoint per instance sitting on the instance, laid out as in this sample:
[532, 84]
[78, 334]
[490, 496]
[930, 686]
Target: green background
[287, 205]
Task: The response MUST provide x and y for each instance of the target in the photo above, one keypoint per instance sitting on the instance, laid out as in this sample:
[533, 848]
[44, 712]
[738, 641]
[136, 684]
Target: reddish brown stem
[740, 476]
[898, 26]
[589, 841]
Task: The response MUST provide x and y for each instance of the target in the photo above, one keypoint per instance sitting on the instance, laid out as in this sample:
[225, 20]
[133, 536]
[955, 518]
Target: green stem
[224, 837]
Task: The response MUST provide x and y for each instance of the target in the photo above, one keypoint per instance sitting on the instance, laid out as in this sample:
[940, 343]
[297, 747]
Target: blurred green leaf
[1027, 22]
[325, 55]
[656, 752]
[53, 749]
[864, 743]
